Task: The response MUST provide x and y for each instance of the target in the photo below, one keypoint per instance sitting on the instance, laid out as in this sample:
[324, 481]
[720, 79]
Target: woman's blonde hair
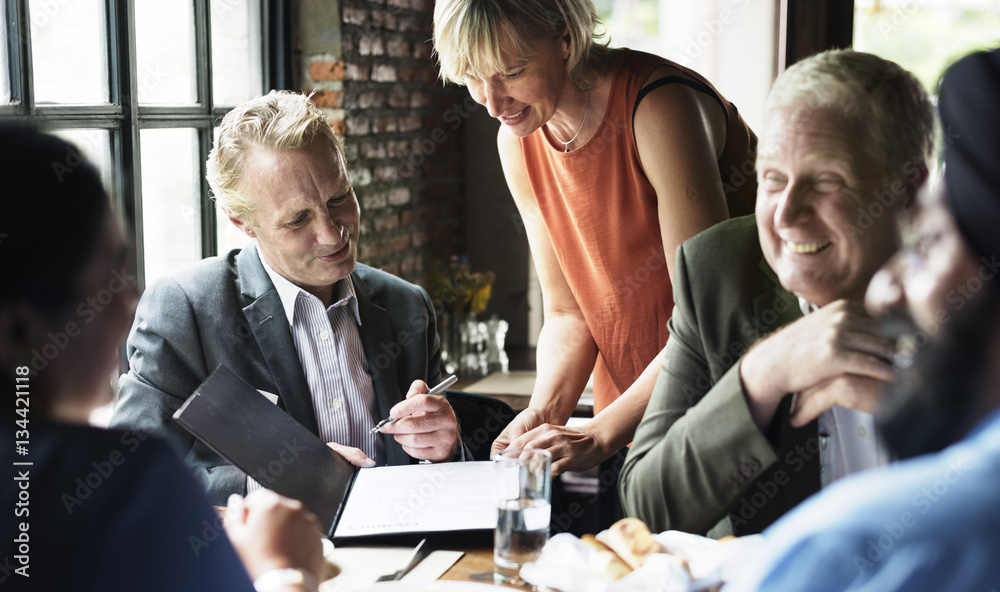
[471, 35]
[280, 120]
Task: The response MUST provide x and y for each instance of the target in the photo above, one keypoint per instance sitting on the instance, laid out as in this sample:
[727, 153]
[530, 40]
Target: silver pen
[437, 390]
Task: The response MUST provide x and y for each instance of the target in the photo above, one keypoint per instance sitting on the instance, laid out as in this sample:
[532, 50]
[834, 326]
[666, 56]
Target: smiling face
[527, 95]
[816, 186]
[307, 218]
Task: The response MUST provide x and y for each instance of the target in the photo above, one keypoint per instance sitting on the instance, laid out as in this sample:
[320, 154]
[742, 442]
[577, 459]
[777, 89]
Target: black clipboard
[232, 418]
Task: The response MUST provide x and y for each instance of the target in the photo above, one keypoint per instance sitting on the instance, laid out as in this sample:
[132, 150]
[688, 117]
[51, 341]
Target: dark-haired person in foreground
[932, 522]
[87, 508]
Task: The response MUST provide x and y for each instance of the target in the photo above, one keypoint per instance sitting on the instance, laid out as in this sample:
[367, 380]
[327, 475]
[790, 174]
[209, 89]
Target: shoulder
[727, 246]
[380, 285]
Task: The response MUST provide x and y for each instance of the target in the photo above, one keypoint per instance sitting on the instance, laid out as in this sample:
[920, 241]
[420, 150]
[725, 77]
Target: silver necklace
[570, 141]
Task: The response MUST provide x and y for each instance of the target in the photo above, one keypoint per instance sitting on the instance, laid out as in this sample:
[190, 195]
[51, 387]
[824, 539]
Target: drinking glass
[524, 485]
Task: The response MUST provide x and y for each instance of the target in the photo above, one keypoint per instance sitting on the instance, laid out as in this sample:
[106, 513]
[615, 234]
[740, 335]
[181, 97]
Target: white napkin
[565, 564]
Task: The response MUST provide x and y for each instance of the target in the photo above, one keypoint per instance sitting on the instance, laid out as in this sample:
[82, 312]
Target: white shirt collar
[289, 293]
[806, 306]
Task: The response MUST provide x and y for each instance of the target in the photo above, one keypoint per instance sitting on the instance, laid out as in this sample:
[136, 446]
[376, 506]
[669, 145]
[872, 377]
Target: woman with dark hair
[93, 509]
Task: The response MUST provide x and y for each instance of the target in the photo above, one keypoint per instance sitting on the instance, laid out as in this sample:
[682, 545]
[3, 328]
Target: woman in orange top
[614, 157]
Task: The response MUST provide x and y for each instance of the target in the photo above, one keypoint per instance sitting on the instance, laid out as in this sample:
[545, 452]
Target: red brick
[410, 23]
[429, 75]
[419, 100]
[383, 73]
[398, 148]
[399, 100]
[373, 150]
[387, 222]
[385, 125]
[356, 72]
[422, 51]
[333, 99]
[410, 124]
[371, 45]
[399, 243]
[392, 268]
[384, 19]
[399, 196]
[327, 70]
[407, 74]
[433, 123]
[441, 233]
[409, 218]
[375, 249]
[422, 5]
[411, 264]
[398, 3]
[386, 174]
[371, 100]
[420, 238]
[374, 200]
[398, 48]
[361, 177]
[355, 16]
[357, 125]
[338, 126]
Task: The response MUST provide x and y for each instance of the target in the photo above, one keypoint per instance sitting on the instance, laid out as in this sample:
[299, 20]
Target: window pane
[69, 51]
[236, 59]
[899, 30]
[95, 146]
[171, 200]
[164, 47]
[4, 72]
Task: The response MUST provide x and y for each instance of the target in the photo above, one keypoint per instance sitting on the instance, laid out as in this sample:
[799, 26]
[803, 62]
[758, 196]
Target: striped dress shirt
[328, 343]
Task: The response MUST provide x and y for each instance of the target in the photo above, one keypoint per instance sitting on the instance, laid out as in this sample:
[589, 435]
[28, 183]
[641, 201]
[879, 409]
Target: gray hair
[878, 95]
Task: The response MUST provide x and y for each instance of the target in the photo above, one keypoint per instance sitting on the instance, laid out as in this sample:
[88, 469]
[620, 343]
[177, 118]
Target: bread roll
[631, 540]
[604, 562]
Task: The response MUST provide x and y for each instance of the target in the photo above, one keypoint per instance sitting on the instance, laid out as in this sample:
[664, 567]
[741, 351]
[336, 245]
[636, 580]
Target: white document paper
[420, 498]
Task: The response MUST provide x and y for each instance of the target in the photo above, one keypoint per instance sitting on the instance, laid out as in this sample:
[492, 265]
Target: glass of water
[524, 486]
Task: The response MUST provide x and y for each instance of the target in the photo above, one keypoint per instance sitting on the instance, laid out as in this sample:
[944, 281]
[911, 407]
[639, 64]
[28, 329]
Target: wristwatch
[279, 578]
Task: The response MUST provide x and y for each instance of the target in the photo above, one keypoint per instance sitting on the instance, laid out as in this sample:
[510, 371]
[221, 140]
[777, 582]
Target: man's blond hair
[280, 120]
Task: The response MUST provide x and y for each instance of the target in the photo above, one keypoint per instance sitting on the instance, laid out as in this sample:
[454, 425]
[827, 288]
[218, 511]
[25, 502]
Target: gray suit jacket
[227, 311]
[698, 458]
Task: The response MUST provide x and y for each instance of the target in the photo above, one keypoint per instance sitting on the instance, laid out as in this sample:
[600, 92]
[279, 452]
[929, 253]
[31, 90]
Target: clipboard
[231, 417]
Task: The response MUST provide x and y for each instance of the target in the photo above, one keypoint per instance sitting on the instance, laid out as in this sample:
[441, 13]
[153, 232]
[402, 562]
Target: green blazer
[698, 461]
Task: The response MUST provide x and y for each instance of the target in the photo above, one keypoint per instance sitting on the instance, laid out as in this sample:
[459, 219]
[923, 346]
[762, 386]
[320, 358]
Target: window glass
[4, 71]
[729, 42]
[925, 38]
[236, 73]
[95, 146]
[228, 237]
[69, 51]
[165, 53]
[171, 209]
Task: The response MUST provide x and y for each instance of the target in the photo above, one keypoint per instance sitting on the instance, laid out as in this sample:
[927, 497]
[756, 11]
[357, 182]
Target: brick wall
[402, 130]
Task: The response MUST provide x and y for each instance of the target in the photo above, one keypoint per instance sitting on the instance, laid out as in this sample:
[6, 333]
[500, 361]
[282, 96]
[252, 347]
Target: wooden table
[476, 566]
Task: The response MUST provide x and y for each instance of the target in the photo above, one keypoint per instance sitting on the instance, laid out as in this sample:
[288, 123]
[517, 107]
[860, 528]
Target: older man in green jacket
[773, 366]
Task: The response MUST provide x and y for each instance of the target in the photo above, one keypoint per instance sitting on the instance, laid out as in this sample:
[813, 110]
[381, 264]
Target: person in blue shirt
[86, 508]
[931, 522]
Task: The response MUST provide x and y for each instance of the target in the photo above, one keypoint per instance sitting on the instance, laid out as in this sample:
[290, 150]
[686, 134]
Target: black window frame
[123, 117]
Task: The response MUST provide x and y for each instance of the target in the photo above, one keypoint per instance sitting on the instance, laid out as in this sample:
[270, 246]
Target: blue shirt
[931, 523]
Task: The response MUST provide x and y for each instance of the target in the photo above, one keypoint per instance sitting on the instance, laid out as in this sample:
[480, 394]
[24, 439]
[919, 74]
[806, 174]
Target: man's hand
[273, 532]
[355, 456]
[572, 449]
[834, 356]
[524, 422]
[427, 428]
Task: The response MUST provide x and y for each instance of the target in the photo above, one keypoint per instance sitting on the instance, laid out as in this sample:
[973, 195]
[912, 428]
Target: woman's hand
[572, 449]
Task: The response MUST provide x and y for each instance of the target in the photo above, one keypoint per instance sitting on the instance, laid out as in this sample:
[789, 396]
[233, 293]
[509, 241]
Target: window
[138, 87]
[925, 38]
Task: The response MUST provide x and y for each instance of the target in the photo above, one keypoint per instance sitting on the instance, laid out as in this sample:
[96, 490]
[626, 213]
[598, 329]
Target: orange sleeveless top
[600, 213]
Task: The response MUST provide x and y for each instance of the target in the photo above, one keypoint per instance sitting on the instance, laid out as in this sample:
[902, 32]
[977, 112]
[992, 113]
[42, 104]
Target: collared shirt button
[324, 335]
[862, 431]
[337, 404]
